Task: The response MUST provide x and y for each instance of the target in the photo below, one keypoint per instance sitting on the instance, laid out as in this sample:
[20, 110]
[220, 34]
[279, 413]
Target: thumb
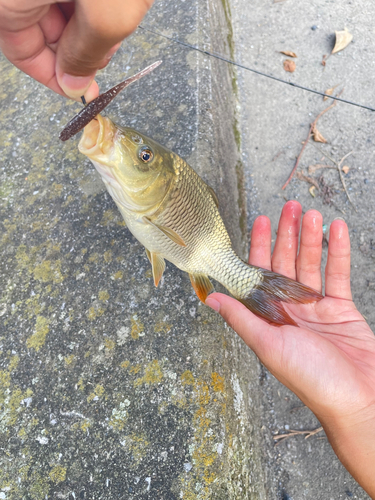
[237, 316]
[90, 38]
[260, 336]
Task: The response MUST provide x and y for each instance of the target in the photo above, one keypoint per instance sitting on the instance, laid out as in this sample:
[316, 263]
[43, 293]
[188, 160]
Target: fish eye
[146, 155]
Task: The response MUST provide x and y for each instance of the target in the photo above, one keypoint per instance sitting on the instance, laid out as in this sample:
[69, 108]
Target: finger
[286, 246]
[26, 49]
[310, 251]
[267, 341]
[91, 93]
[90, 34]
[260, 244]
[338, 262]
[52, 25]
[21, 14]
[67, 8]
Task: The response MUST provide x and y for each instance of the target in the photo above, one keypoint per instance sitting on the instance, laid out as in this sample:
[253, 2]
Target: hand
[329, 361]
[63, 44]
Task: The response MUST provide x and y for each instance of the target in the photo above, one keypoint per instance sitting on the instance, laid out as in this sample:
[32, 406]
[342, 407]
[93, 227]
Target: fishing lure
[89, 112]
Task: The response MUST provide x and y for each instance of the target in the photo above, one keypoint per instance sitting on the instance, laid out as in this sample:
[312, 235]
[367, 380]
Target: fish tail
[265, 299]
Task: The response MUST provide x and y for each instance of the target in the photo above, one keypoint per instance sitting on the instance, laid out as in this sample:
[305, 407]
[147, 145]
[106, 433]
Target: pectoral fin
[214, 196]
[158, 267]
[202, 285]
[169, 233]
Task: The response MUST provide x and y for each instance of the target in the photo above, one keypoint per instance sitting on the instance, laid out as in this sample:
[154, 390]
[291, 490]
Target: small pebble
[315, 27]
[366, 181]
[285, 496]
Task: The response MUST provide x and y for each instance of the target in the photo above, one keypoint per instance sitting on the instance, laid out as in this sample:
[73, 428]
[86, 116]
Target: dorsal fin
[214, 196]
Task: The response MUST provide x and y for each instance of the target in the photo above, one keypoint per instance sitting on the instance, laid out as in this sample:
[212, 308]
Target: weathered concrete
[111, 388]
[274, 120]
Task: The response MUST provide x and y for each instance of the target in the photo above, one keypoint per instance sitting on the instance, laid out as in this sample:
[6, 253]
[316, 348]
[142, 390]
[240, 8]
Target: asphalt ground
[274, 121]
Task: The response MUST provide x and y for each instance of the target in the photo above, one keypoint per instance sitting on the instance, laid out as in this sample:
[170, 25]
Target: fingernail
[75, 86]
[339, 218]
[214, 304]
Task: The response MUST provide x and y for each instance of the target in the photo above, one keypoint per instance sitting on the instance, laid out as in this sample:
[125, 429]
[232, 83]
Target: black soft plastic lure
[88, 113]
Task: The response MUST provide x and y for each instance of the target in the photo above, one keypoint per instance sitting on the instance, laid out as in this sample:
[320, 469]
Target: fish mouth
[97, 139]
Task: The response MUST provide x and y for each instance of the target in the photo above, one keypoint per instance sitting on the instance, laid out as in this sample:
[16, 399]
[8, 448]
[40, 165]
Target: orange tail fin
[265, 299]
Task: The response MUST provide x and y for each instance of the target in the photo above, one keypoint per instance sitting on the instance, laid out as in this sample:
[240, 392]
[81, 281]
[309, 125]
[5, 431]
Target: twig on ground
[298, 159]
[312, 126]
[338, 168]
[313, 168]
[297, 408]
[281, 437]
[342, 178]
[323, 153]
[306, 178]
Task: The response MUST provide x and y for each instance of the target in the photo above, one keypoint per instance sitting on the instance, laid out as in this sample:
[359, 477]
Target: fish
[175, 215]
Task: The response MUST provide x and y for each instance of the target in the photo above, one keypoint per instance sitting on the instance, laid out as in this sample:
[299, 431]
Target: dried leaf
[345, 169]
[317, 136]
[289, 65]
[288, 53]
[343, 38]
[312, 191]
[329, 92]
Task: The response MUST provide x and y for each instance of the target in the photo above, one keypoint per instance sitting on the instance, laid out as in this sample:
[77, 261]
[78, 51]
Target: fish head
[142, 168]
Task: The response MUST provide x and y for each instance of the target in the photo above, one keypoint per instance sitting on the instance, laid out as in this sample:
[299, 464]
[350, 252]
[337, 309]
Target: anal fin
[158, 266]
[169, 233]
[202, 285]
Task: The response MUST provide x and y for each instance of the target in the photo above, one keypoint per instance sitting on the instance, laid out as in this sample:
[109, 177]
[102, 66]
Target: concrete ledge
[111, 388]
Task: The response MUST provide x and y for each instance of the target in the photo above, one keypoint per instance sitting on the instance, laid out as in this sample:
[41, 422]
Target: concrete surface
[274, 120]
[110, 388]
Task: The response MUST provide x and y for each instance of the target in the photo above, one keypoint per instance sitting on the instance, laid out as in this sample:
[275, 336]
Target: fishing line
[252, 70]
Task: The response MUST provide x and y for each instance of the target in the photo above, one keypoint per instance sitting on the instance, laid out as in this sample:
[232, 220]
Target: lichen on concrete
[38, 338]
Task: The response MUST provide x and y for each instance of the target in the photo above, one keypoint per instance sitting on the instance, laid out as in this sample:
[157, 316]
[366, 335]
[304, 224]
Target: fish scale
[173, 213]
[208, 250]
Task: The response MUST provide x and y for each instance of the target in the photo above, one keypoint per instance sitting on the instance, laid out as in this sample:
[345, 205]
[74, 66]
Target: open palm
[329, 360]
